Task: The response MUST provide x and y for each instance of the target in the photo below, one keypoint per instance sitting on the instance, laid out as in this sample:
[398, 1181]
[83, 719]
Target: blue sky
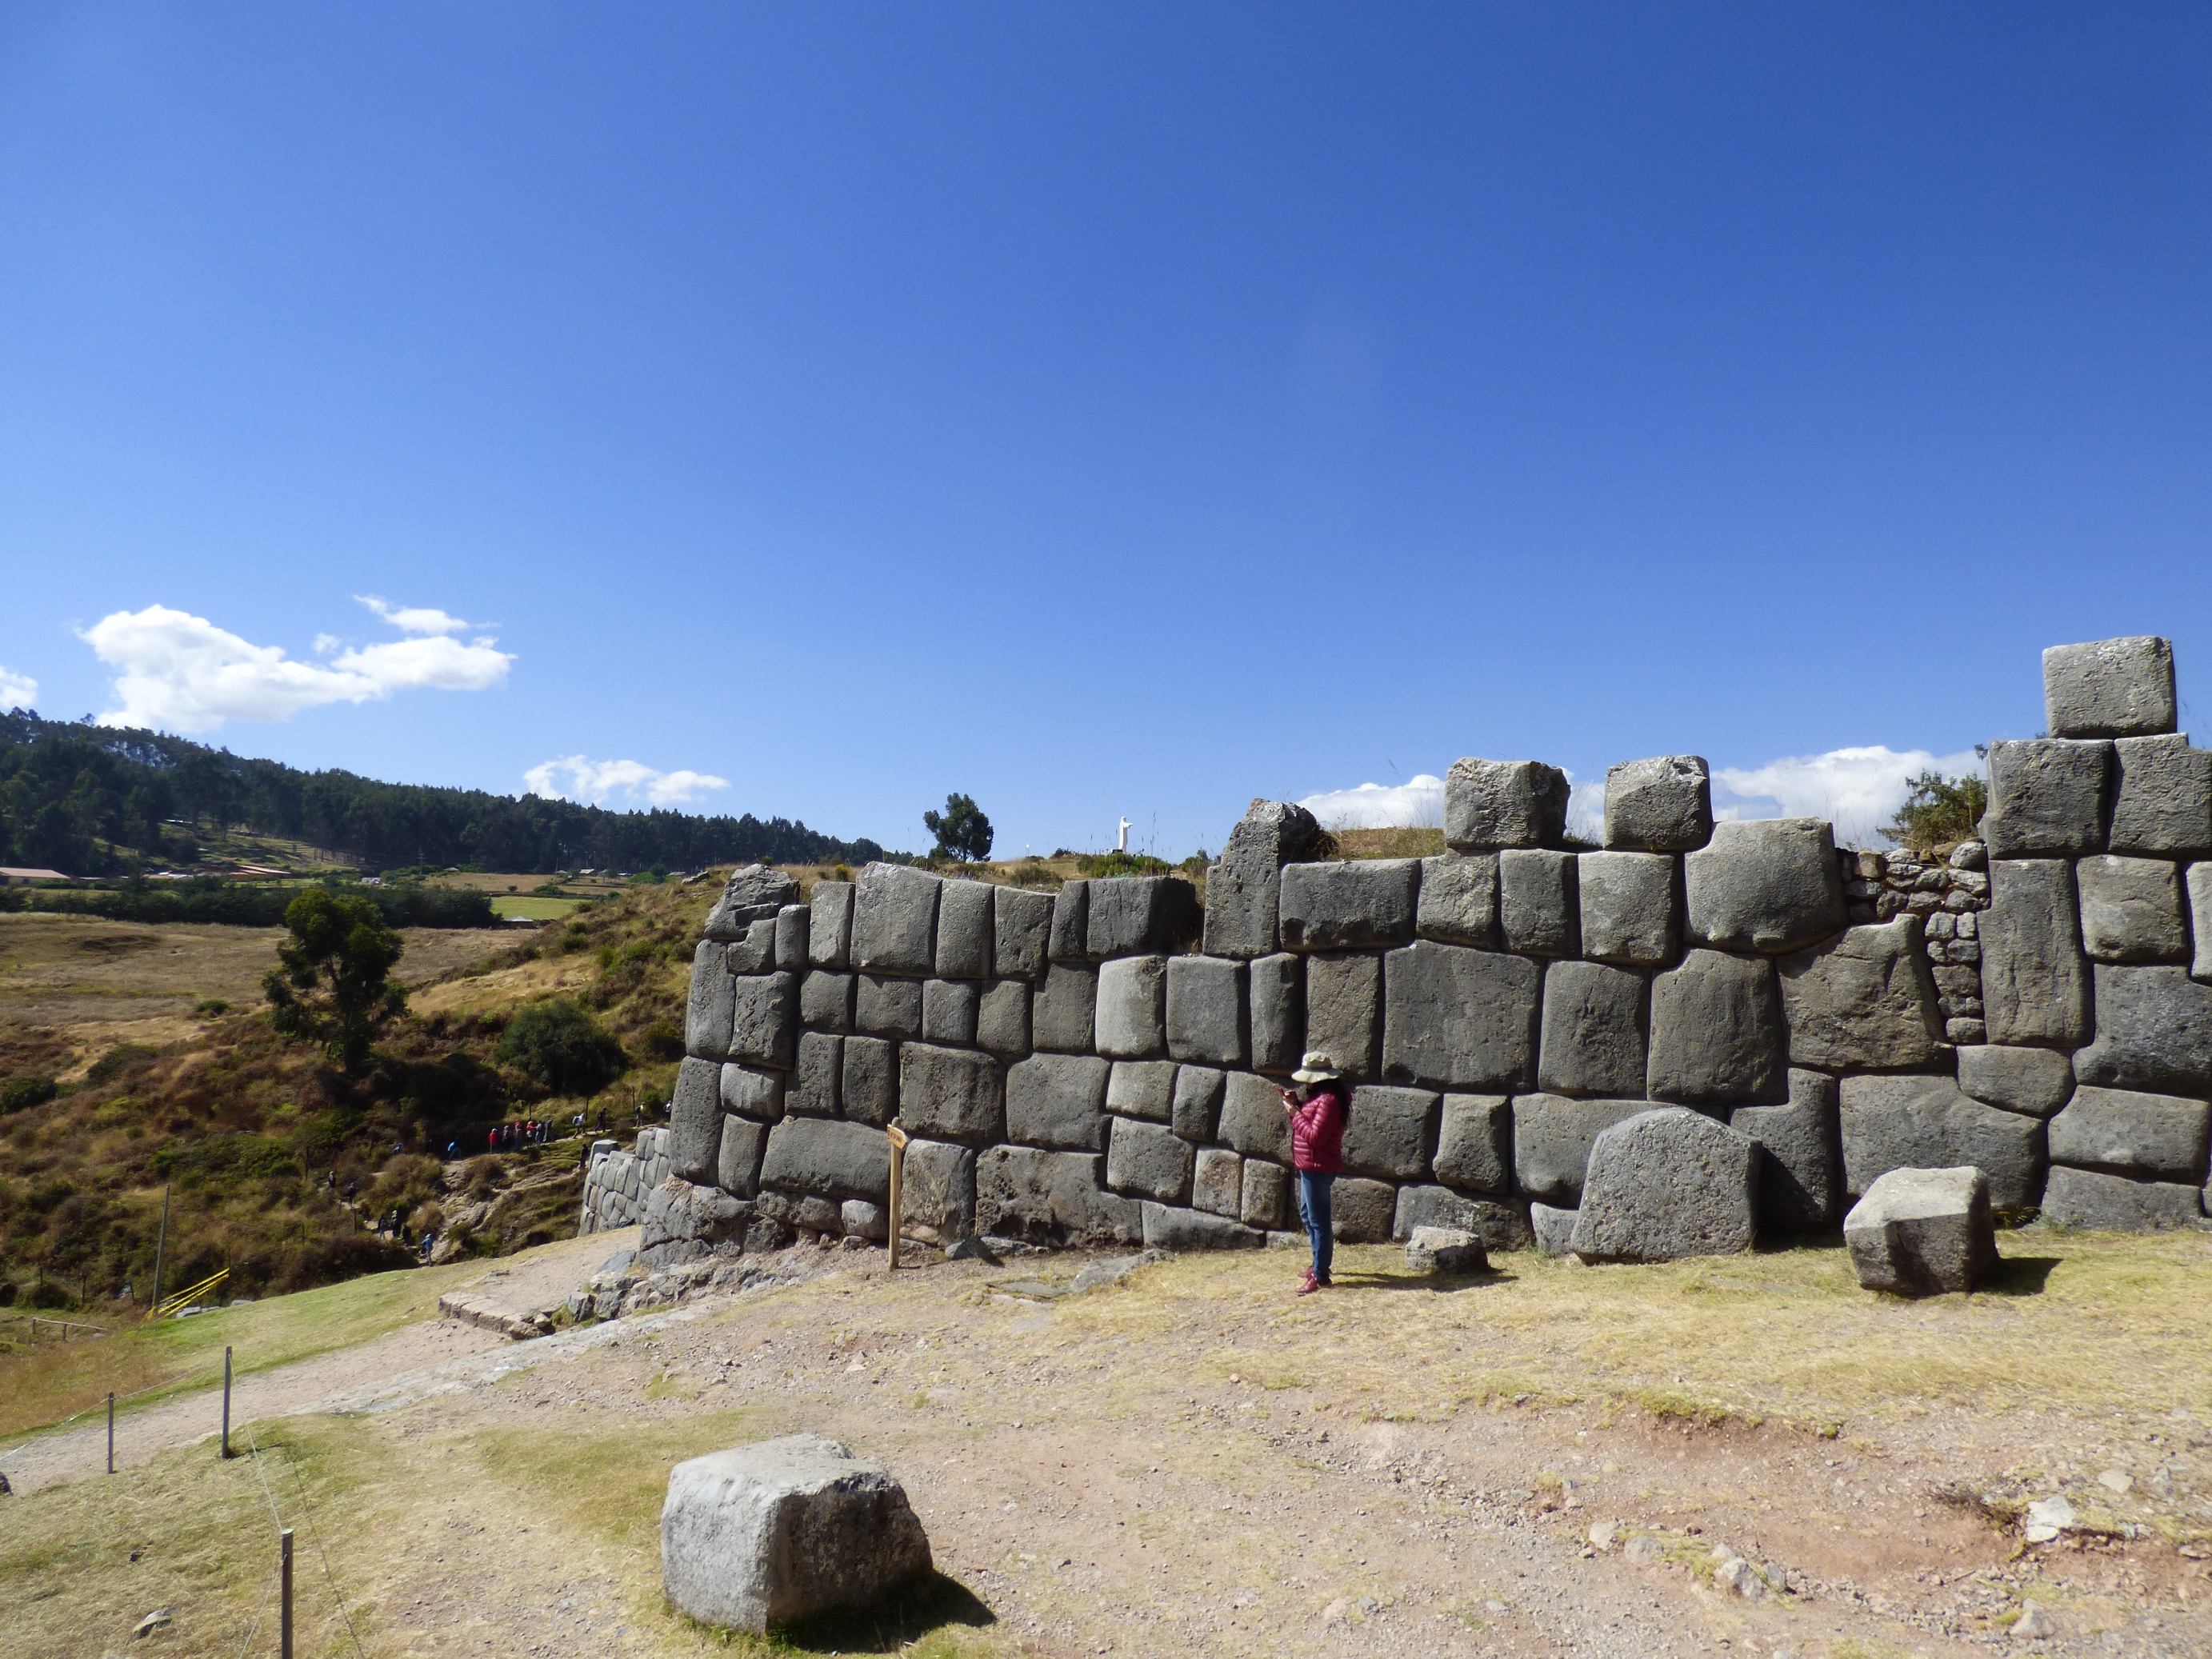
[1102, 411]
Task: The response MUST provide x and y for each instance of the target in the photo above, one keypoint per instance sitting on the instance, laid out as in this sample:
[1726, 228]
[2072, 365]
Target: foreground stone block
[1593, 1030]
[2109, 688]
[1458, 1019]
[764, 1020]
[2131, 909]
[1266, 1202]
[1149, 1160]
[1800, 1178]
[1253, 1120]
[1348, 904]
[1158, 914]
[792, 925]
[753, 1091]
[1389, 1132]
[949, 1010]
[1002, 1019]
[1445, 1250]
[754, 952]
[1361, 1211]
[1663, 805]
[2035, 981]
[1552, 1141]
[966, 923]
[1051, 1198]
[707, 1010]
[825, 1001]
[771, 1533]
[1765, 884]
[754, 893]
[2165, 801]
[1493, 803]
[1457, 901]
[1925, 1123]
[1217, 1181]
[681, 1212]
[1064, 1013]
[1631, 908]
[887, 1007]
[1496, 1224]
[868, 1081]
[1142, 1088]
[1922, 1231]
[1866, 997]
[738, 1159]
[2036, 1081]
[1667, 1184]
[1474, 1143]
[2127, 1133]
[695, 1121]
[1205, 1009]
[2199, 881]
[2047, 795]
[895, 920]
[1058, 1100]
[1070, 940]
[951, 1094]
[1344, 1005]
[1243, 885]
[1171, 1229]
[1021, 932]
[1276, 987]
[827, 1159]
[1554, 1228]
[1539, 905]
[937, 1192]
[830, 935]
[2112, 1203]
[1133, 1007]
[2153, 1032]
[1718, 1032]
[1197, 1108]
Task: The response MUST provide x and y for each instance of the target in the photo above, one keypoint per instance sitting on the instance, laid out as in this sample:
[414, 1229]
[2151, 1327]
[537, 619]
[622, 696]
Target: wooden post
[111, 1434]
[898, 1169]
[284, 1605]
[226, 1402]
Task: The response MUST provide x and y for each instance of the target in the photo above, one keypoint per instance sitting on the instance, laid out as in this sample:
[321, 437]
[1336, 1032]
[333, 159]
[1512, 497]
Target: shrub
[18, 1093]
[1939, 813]
[1124, 864]
[124, 1057]
[558, 1044]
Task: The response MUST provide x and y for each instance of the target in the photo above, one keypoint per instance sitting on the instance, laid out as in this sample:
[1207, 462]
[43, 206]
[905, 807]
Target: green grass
[507, 906]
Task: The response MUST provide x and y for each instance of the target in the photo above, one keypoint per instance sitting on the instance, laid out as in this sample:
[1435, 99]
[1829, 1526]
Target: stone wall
[1101, 1064]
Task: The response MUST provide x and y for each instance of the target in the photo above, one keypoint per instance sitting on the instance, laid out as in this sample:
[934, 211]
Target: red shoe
[1308, 1285]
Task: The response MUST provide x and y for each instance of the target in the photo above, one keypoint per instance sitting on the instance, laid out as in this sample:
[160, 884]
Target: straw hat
[1315, 1067]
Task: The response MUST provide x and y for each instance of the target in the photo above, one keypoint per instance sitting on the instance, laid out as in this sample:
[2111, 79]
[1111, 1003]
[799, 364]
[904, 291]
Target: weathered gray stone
[1717, 1032]
[770, 1533]
[1132, 1006]
[1667, 1184]
[966, 922]
[1457, 901]
[1146, 1160]
[1538, 907]
[1495, 1223]
[2165, 799]
[1205, 1009]
[1593, 1030]
[764, 1020]
[754, 893]
[750, 1092]
[683, 1221]
[738, 1159]
[1474, 1143]
[1388, 1133]
[1169, 1229]
[1663, 805]
[1058, 1100]
[830, 935]
[1349, 905]
[2036, 1081]
[1631, 908]
[1457, 1018]
[2153, 1032]
[951, 1094]
[1197, 1108]
[2199, 884]
[1054, 1198]
[1002, 1019]
[887, 1007]
[2047, 795]
[1142, 1088]
[1070, 938]
[1243, 885]
[1922, 1231]
[1493, 803]
[1344, 1005]
[1361, 1211]
[1554, 1228]
[937, 1192]
[1864, 998]
[695, 1121]
[827, 1159]
[753, 951]
[868, 1089]
[861, 1220]
[2127, 1133]
[1276, 988]
[1800, 1178]
[894, 919]
[793, 924]
[1133, 914]
[1925, 1123]
[1764, 884]
[1552, 1140]
[1022, 931]
[1266, 1203]
[1063, 1015]
[817, 1080]
[1253, 1120]
[1217, 1181]
[2109, 688]
[807, 1214]
[2111, 1203]
[949, 1010]
[2035, 982]
[825, 1001]
[707, 1010]
[2131, 909]
[1444, 1250]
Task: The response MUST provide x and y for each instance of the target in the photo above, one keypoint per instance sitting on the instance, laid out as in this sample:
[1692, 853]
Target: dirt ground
[1194, 1460]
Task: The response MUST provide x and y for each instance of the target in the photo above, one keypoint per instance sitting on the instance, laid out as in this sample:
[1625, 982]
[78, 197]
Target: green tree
[1939, 813]
[334, 984]
[961, 831]
[560, 1044]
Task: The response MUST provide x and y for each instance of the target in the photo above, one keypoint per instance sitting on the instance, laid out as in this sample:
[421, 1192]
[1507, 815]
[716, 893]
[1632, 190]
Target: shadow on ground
[926, 1603]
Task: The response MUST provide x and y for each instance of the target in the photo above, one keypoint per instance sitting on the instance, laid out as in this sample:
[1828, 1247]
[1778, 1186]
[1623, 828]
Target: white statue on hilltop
[1122, 845]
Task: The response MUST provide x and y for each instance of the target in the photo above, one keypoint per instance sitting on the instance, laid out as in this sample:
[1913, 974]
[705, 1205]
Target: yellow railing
[189, 1294]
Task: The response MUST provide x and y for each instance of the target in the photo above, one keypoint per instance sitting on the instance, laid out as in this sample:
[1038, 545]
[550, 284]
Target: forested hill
[94, 800]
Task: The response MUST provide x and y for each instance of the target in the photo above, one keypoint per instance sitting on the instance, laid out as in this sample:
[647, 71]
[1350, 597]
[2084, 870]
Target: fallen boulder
[1445, 1250]
[1667, 1184]
[1923, 1232]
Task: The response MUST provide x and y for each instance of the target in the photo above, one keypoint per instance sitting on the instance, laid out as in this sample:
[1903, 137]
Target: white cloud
[182, 673]
[18, 690]
[1857, 790]
[1418, 803]
[594, 780]
[413, 619]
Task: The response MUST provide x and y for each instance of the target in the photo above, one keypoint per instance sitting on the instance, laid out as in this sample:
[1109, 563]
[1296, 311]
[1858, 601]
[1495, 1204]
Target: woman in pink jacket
[1317, 1109]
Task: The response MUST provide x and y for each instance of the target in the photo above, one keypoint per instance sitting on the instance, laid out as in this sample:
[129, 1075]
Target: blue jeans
[1313, 1206]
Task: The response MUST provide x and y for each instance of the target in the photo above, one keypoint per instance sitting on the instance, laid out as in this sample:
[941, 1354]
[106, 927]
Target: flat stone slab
[2108, 1203]
[1923, 1232]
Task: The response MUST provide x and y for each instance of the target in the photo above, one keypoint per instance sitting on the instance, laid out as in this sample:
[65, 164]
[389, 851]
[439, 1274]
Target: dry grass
[1398, 843]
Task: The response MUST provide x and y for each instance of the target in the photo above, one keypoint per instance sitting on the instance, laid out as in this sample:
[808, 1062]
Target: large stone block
[738, 1158]
[1474, 1144]
[1457, 899]
[1276, 992]
[1493, 803]
[1253, 1120]
[827, 1159]
[1344, 1007]
[1925, 1123]
[887, 1007]
[1205, 1009]
[1495, 1225]
[1863, 999]
[1457, 1018]
[1051, 1198]
[1667, 1184]
[1070, 938]
[753, 951]
[937, 1192]
[1631, 908]
[1197, 1106]
[869, 1080]
[2035, 982]
[764, 1020]
[1663, 805]
[966, 923]
[1217, 1180]
[2153, 1032]
[1361, 1211]
[1800, 1178]
[1132, 1006]
[1349, 905]
[707, 1010]
[1142, 1088]
[1717, 1036]
[753, 893]
[2127, 1133]
[1022, 931]
[951, 1094]
[695, 1119]
[830, 935]
[1922, 1231]
[1765, 884]
[1389, 1132]
[2165, 799]
[770, 1533]
[792, 925]
[825, 1001]
[1552, 1140]
[1058, 1100]
[1133, 914]
[1063, 1015]
[2111, 1203]
[1002, 1019]
[1147, 1160]
[752, 1091]
[1539, 906]
[949, 1010]
[1243, 885]
[1267, 1202]
[2109, 688]
[2199, 881]
[817, 1080]
[2047, 796]
[894, 919]
[2036, 1081]
[2131, 909]
[1593, 1030]
[1166, 1228]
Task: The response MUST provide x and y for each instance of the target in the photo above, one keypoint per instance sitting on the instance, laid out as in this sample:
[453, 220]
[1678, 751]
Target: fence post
[284, 1603]
[898, 1170]
[226, 1402]
[111, 1434]
[161, 1249]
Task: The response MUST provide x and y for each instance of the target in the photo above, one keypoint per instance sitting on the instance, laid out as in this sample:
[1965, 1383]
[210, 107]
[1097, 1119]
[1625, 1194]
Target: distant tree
[560, 1044]
[334, 984]
[1939, 813]
[961, 831]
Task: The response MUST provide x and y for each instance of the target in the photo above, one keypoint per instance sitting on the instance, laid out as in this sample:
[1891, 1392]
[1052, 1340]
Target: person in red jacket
[1316, 1111]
